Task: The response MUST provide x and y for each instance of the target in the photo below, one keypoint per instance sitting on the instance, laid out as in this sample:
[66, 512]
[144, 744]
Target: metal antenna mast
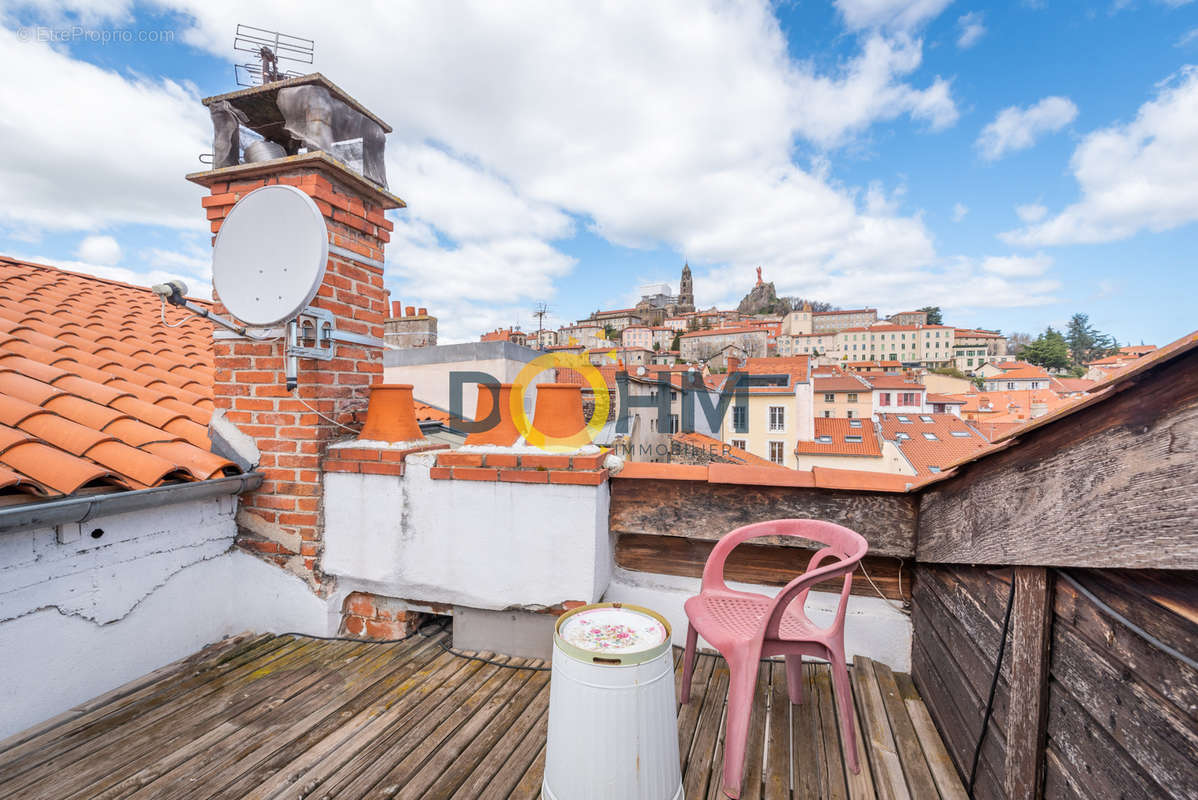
[539, 312]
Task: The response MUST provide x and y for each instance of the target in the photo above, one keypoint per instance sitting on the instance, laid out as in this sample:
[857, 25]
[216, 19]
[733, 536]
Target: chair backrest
[845, 546]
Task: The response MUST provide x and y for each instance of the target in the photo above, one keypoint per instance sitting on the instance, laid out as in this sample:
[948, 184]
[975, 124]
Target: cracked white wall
[81, 615]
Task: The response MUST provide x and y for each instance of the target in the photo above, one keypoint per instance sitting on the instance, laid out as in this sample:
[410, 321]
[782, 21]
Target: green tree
[677, 343]
[1086, 342]
[952, 372]
[934, 315]
[1049, 350]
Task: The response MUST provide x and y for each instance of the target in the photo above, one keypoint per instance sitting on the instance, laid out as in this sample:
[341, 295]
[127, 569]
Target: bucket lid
[612, 634]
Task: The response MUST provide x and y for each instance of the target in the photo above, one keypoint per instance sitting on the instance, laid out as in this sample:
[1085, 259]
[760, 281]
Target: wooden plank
[1162, 743]
[148, 753]
[1031, 640]
[209, 657]
[1174, 680]
[454, 774]
[704, 510]
[414, 773]
[861, 783]
[833, 764]
[1112, 485]
[531, 720]
[529, 786]
[776, 781]
[411, 698]
[529, 751]
[53, 744]
[125, 730]
[751, 776]
[915, 768]
[771, 565]
[1094, 761]
[358, 776]
[948, 782]
[879, 739]
[806, 735]
[170, 771]
[946, 699]
[704, 753]
[688, 715]
[289, 760]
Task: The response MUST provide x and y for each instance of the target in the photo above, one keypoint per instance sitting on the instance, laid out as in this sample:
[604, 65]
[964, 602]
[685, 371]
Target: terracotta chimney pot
[423, 312]
[410, 311]
[391, 415]
[558, 416]
[396, 309]
[504, 433]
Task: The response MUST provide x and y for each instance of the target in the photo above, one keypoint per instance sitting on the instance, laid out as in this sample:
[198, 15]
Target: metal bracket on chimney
[313, 334]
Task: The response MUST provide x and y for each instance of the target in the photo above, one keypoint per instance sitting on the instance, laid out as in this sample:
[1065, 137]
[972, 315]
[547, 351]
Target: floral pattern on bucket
[613, 630]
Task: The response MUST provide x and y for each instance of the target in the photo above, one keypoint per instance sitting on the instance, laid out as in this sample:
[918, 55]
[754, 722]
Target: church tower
[686, 291]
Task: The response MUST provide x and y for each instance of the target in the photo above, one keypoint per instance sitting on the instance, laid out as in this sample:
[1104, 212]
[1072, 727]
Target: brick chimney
[282, 521]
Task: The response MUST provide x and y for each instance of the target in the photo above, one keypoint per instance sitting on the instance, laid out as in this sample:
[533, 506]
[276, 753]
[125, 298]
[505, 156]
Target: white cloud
[514, 125]
[1017, 128]
[1031, 212]
[1142, 175]
[959, 211]
[895, 15]
[100, 249]
[868, 90]
[971, 29]
[1187, 37]
[1017, 266]
[85, 148]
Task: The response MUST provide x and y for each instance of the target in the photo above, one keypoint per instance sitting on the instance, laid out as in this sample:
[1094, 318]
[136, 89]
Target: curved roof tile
[94, 390]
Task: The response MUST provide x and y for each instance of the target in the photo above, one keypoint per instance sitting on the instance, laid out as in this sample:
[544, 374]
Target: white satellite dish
[270, 255]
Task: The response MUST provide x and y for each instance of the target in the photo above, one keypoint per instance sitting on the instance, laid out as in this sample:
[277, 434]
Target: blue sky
[1013, 162]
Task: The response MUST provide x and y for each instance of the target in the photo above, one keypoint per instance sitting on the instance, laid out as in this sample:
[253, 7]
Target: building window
[776, 452]
[740, 419]
[777, 419]
[903, 419]
[853, 439]
[673, 423]
[931, 437]
[852, 397]
[739, 443]
[855, 423]
[961, 434]
[850, 413]
[883, 398]
[925, 419]
[828, 414]
[909, 399]
[1010, 385]
[829, 397]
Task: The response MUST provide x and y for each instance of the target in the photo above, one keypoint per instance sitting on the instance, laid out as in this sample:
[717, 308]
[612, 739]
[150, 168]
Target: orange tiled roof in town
[1024, 372]
[841, 383]
[721, 332]
[734, 455]
[931, 442]
[1071, 385]
[842, 437]
[1010, 406]
[894, 382]
[95, 390]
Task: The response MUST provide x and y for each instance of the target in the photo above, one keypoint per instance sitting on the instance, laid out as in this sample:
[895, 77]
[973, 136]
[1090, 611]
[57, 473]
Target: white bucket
[613, 726]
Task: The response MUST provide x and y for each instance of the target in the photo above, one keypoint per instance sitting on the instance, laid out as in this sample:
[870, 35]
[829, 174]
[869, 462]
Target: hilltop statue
[759, 276]
[762, 299]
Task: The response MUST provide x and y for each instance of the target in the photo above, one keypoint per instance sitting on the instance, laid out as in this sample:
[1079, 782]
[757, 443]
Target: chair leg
[844, 700]
[742, 684]
[794, 678]
[688, 662]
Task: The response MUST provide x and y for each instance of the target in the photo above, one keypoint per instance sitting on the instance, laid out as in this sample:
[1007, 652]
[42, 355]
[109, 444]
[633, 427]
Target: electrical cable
[1131, 626]
[1002, 646]
[321, 415]
[902, 609]
[168, 324]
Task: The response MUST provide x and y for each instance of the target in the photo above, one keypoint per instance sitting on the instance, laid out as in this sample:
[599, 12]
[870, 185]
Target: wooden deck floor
[284, 717]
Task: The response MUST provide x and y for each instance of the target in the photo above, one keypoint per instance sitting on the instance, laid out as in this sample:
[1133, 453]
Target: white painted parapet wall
[485, 544]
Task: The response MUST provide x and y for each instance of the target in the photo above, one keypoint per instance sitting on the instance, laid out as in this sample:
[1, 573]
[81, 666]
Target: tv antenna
[539, 312]
[269, 47]
[267, 264]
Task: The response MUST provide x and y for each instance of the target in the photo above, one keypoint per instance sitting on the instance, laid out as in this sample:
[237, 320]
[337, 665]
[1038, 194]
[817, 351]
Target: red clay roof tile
[100, 390]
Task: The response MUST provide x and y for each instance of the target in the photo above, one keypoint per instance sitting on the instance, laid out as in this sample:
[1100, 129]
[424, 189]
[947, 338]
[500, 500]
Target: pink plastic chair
[745, 627]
